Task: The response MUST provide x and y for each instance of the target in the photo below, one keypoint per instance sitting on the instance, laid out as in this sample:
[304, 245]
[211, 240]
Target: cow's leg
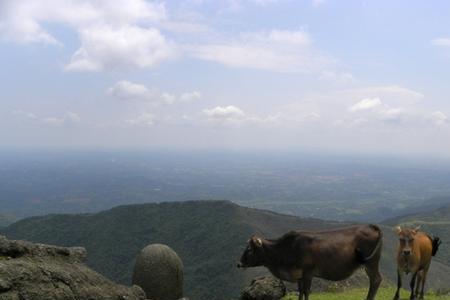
[300, 289]
[411, 285]
[306, 285]
[374, 275]
[399, 285]
[424, 277]
[418, 282]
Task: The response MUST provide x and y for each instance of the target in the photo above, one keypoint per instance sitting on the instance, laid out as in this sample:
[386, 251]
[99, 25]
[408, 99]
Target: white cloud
[312, 115]
[28, 115]
[392, 95]
[230, 112]
[113, 34]
[25, 20]
[53, 120]
[190, 96]
[337, 77]
[124, 35]
[365, 108]
[401, 91]
[393, 115]
[126, 90]
[395, 90]
[167, 98]
[285, 36]
[394, 106]
[365, 104]
[374, 110]
[443, 42]
[72, 117]
[235, 116]
[107, 48]
[385, 105]
[69, 118]
[146, 119]
[19, 21]
[275, 50]
[439, 118]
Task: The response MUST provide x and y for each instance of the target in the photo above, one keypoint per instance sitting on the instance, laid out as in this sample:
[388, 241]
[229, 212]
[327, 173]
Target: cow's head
[406, 238]
[253, 255]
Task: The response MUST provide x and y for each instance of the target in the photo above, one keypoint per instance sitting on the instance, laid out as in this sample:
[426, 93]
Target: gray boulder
[41, 272]
[264, 288]
[159, 272]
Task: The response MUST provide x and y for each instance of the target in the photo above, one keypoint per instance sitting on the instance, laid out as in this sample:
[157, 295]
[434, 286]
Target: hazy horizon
[264, 75]
[331, 186]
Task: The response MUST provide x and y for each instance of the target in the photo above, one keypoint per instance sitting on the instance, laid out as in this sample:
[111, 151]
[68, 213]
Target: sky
[315, 75]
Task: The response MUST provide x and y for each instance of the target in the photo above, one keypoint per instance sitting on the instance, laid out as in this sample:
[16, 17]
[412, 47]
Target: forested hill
[208, 235]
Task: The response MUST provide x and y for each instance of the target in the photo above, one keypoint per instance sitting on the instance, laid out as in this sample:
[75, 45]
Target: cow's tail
[360, 257]
[435, 245]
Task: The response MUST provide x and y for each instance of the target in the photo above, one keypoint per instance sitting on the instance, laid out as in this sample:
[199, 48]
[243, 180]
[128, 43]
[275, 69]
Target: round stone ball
[159, 272]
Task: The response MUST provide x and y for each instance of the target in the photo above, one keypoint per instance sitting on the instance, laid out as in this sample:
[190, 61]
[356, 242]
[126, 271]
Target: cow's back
[363, 237]
[334, 252]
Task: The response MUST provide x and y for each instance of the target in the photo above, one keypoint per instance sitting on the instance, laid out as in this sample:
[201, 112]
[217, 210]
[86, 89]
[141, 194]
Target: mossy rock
[264, 288]
[159, 272]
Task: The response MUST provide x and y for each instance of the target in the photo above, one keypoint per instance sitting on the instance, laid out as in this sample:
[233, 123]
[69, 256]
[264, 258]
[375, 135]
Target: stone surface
[264, 288]
[159, 271]
[31, 271]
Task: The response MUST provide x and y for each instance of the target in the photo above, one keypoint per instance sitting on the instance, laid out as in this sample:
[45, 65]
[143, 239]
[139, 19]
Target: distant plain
[351, 188]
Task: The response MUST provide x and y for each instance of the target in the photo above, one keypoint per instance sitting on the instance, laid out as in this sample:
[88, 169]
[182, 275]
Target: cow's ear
[398, 229]
[257, 241]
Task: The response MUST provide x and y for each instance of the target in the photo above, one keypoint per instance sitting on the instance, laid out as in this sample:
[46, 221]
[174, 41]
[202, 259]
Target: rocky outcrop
[31, 271]
[264, 288]
[159, 271]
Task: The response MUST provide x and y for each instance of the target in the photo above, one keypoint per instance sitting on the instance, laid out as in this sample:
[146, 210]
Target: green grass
[359, 294]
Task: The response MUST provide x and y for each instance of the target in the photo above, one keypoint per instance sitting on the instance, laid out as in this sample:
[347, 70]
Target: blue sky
[347, 76]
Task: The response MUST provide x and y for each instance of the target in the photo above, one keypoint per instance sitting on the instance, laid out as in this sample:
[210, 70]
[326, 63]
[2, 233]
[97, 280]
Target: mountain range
[209, 236]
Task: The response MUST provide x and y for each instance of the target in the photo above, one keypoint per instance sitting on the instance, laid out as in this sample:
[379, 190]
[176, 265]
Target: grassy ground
[359, 294]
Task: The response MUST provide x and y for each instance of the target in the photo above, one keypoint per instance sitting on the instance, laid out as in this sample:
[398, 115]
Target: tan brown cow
[414, 254]
[298, 256]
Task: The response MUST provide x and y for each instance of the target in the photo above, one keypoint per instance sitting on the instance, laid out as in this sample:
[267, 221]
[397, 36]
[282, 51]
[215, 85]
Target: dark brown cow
[298, 256]
[414, 254]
